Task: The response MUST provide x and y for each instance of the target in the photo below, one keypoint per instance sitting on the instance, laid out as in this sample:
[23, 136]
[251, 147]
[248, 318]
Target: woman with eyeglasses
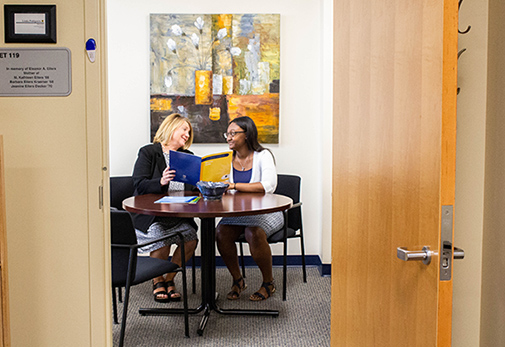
[152, 174]
[253, 170]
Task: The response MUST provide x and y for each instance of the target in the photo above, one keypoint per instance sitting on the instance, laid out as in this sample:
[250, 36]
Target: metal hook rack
[462, 32]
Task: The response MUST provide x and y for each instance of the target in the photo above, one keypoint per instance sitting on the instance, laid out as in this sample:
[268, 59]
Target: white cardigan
[263, 171]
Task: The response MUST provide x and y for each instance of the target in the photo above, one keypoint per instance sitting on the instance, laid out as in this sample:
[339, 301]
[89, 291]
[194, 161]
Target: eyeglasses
[232, 134]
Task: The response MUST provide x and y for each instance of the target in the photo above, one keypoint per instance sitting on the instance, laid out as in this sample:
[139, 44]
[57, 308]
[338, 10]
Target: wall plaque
[35, 72]
[30, 23]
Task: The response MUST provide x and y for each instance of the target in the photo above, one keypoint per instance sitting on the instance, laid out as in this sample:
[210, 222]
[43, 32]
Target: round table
[232, 204]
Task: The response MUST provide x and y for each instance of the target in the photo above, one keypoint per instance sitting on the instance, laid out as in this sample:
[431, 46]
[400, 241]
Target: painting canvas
[213, 68]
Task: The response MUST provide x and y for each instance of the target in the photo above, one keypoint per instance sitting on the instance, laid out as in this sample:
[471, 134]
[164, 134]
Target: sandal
[157, 294]
[173, 295]
[235, 294]
[260, 297]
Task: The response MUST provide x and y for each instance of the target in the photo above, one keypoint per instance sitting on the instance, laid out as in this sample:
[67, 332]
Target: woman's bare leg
[226, 235]
[189, 249]
[261, 253]
[160, 253]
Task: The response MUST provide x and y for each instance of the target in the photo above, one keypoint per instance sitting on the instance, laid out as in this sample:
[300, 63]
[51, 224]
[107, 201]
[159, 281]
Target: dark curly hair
[251, 134]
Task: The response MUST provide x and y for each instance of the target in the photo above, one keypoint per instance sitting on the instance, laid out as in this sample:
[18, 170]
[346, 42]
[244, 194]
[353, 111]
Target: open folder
[192, 168]
[178, 200]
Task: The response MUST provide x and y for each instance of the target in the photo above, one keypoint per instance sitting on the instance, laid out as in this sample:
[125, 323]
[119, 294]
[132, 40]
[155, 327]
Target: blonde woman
[152, 174]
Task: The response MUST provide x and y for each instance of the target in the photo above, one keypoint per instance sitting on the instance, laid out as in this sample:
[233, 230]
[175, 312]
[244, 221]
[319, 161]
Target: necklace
[240, 163]
[165, 148]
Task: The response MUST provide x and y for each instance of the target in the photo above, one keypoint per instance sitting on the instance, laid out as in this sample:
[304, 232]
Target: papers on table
[178, 200]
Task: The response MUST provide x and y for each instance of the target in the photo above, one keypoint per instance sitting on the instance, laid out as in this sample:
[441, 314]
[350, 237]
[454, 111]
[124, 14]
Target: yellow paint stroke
[161, 104]
[263, 109]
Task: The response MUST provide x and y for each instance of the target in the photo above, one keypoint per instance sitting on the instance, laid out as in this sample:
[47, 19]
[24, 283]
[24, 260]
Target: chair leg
[302, 247]
[193, 273]
[114, 305]
[284, 270]
[185, 301]
[242, 259]
[125, 312]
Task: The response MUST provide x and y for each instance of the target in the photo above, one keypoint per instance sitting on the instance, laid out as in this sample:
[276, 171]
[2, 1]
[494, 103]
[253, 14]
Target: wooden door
[394, 168]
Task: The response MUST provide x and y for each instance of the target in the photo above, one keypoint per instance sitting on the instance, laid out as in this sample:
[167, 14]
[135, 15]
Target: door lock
[447, 253]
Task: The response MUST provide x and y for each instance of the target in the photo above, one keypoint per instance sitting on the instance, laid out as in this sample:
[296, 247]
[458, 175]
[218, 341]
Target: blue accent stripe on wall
[277, 260]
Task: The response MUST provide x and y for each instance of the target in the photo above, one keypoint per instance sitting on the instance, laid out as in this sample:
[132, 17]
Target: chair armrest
[120, 245]
[175, 233]
[139, 245]
[298, 204]
[178, 233]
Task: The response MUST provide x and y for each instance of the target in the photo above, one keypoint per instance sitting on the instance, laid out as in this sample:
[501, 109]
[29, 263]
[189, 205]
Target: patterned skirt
[270, 222]
[163, 226]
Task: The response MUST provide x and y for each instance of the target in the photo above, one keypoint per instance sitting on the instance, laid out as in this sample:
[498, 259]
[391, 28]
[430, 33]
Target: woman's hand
[168, 175]
[255, 187]
[231, 186]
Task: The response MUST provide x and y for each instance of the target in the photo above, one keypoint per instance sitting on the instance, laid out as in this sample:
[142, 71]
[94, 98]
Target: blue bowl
[212, 190]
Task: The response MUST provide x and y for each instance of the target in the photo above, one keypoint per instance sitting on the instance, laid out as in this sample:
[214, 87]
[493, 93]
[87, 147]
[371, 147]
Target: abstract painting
[212, 68]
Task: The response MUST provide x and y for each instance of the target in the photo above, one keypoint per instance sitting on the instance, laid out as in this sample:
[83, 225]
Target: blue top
[242, 176]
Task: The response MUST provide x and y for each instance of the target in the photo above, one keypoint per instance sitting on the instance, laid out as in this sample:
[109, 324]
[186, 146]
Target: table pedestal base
[209, 295]
[206, 308]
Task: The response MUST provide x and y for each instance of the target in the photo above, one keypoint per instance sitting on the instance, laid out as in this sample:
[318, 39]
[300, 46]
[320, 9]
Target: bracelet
[235, 186]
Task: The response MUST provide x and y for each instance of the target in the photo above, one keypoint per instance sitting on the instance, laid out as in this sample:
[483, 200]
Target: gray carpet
[304, 319]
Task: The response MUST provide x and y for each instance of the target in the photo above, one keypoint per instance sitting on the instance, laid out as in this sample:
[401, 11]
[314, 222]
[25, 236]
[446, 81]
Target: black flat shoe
[260, 297]
[171, 293]
[157, 295]
[234, 294]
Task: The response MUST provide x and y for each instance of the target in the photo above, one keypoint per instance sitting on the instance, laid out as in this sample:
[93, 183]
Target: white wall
[305, 107]
[492, 327]
[470, 165]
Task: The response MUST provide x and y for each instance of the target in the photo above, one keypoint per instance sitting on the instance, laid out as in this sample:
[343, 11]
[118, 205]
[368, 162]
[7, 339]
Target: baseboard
[325, 270]
[277, 260]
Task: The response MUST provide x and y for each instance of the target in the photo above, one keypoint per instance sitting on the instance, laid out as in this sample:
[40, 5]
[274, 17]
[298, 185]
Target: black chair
[121, 187]
[290, 186]
[128, 269]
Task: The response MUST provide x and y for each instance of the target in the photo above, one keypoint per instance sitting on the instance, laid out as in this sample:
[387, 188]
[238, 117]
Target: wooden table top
[232, 204]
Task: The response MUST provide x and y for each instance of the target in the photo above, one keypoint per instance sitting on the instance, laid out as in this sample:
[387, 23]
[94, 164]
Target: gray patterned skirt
[163, 226]
[270, 222]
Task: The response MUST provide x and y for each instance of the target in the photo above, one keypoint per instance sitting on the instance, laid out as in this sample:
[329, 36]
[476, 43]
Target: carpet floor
[304, 319]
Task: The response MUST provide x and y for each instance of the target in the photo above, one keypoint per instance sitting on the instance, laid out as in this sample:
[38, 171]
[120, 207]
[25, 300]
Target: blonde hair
[167, 128]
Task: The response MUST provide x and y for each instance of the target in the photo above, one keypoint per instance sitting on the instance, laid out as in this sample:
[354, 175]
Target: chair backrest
[121, 187]
[121, 232]
[290, 185]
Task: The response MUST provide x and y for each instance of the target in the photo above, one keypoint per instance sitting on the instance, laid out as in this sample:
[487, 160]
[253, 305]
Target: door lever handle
[424, 255]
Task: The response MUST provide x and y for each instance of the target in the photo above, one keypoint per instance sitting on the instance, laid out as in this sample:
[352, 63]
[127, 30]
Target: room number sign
[35, 72]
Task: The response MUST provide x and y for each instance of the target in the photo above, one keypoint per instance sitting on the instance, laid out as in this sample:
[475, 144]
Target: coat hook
[469, 27]
[461, 52]
[459, 55]
[465, 31]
